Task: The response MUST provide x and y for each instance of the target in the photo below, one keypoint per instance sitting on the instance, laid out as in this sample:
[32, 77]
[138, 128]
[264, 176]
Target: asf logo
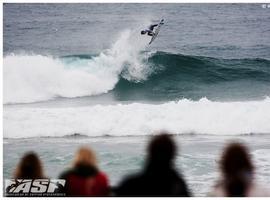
[35, 187]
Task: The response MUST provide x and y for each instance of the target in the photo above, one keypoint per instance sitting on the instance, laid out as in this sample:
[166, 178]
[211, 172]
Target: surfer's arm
[152, 26]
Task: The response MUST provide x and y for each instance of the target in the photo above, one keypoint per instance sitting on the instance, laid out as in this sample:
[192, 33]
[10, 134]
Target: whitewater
[31, 78]
[182, 117]
[38, 78]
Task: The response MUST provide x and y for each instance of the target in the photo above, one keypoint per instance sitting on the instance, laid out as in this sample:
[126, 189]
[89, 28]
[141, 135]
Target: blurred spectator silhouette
[84, 178]
[237, 174]
[29, 167]
[159, 178]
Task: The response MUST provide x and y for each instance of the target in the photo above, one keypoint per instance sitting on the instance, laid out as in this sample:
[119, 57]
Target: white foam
[31, 78]
[184, 116]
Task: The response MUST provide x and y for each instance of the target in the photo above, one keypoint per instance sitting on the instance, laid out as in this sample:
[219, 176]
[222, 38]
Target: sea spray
[31, 78]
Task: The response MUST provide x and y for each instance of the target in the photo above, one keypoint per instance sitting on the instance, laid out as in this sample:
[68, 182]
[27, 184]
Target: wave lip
[181, 117]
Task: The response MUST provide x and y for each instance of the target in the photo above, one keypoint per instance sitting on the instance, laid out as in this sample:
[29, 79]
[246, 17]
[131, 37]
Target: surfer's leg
[150, 33]
[143, 32]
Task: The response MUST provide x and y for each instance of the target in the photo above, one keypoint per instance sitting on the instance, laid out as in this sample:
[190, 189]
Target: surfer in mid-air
[153, 30]
[150, 30]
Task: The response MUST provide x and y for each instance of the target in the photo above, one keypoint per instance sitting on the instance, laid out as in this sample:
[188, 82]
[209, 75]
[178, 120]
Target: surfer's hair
[85, 156]
[237, 169]
[29, 167]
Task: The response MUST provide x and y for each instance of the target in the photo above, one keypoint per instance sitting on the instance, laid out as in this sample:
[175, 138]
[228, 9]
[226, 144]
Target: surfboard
[156, 31]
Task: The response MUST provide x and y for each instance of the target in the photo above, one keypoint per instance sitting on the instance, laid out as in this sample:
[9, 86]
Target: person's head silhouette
[237, 169]
[161, 150]
[30, 167]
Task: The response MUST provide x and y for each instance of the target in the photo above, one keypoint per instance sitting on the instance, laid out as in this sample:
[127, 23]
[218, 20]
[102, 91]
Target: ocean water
[197, 160]
[84, 69]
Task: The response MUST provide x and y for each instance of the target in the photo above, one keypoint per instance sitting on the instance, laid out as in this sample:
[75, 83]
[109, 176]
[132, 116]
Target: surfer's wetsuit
[149, 31]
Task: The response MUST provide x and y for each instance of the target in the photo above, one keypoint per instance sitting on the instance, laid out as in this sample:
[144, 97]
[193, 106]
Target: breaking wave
[130, 72]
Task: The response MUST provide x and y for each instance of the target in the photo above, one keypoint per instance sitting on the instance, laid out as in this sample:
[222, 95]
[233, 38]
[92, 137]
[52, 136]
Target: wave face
[177, 76]
[181, 117]
[129, 72]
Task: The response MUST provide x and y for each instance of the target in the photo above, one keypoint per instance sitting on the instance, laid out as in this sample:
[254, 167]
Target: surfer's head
[30, 167]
